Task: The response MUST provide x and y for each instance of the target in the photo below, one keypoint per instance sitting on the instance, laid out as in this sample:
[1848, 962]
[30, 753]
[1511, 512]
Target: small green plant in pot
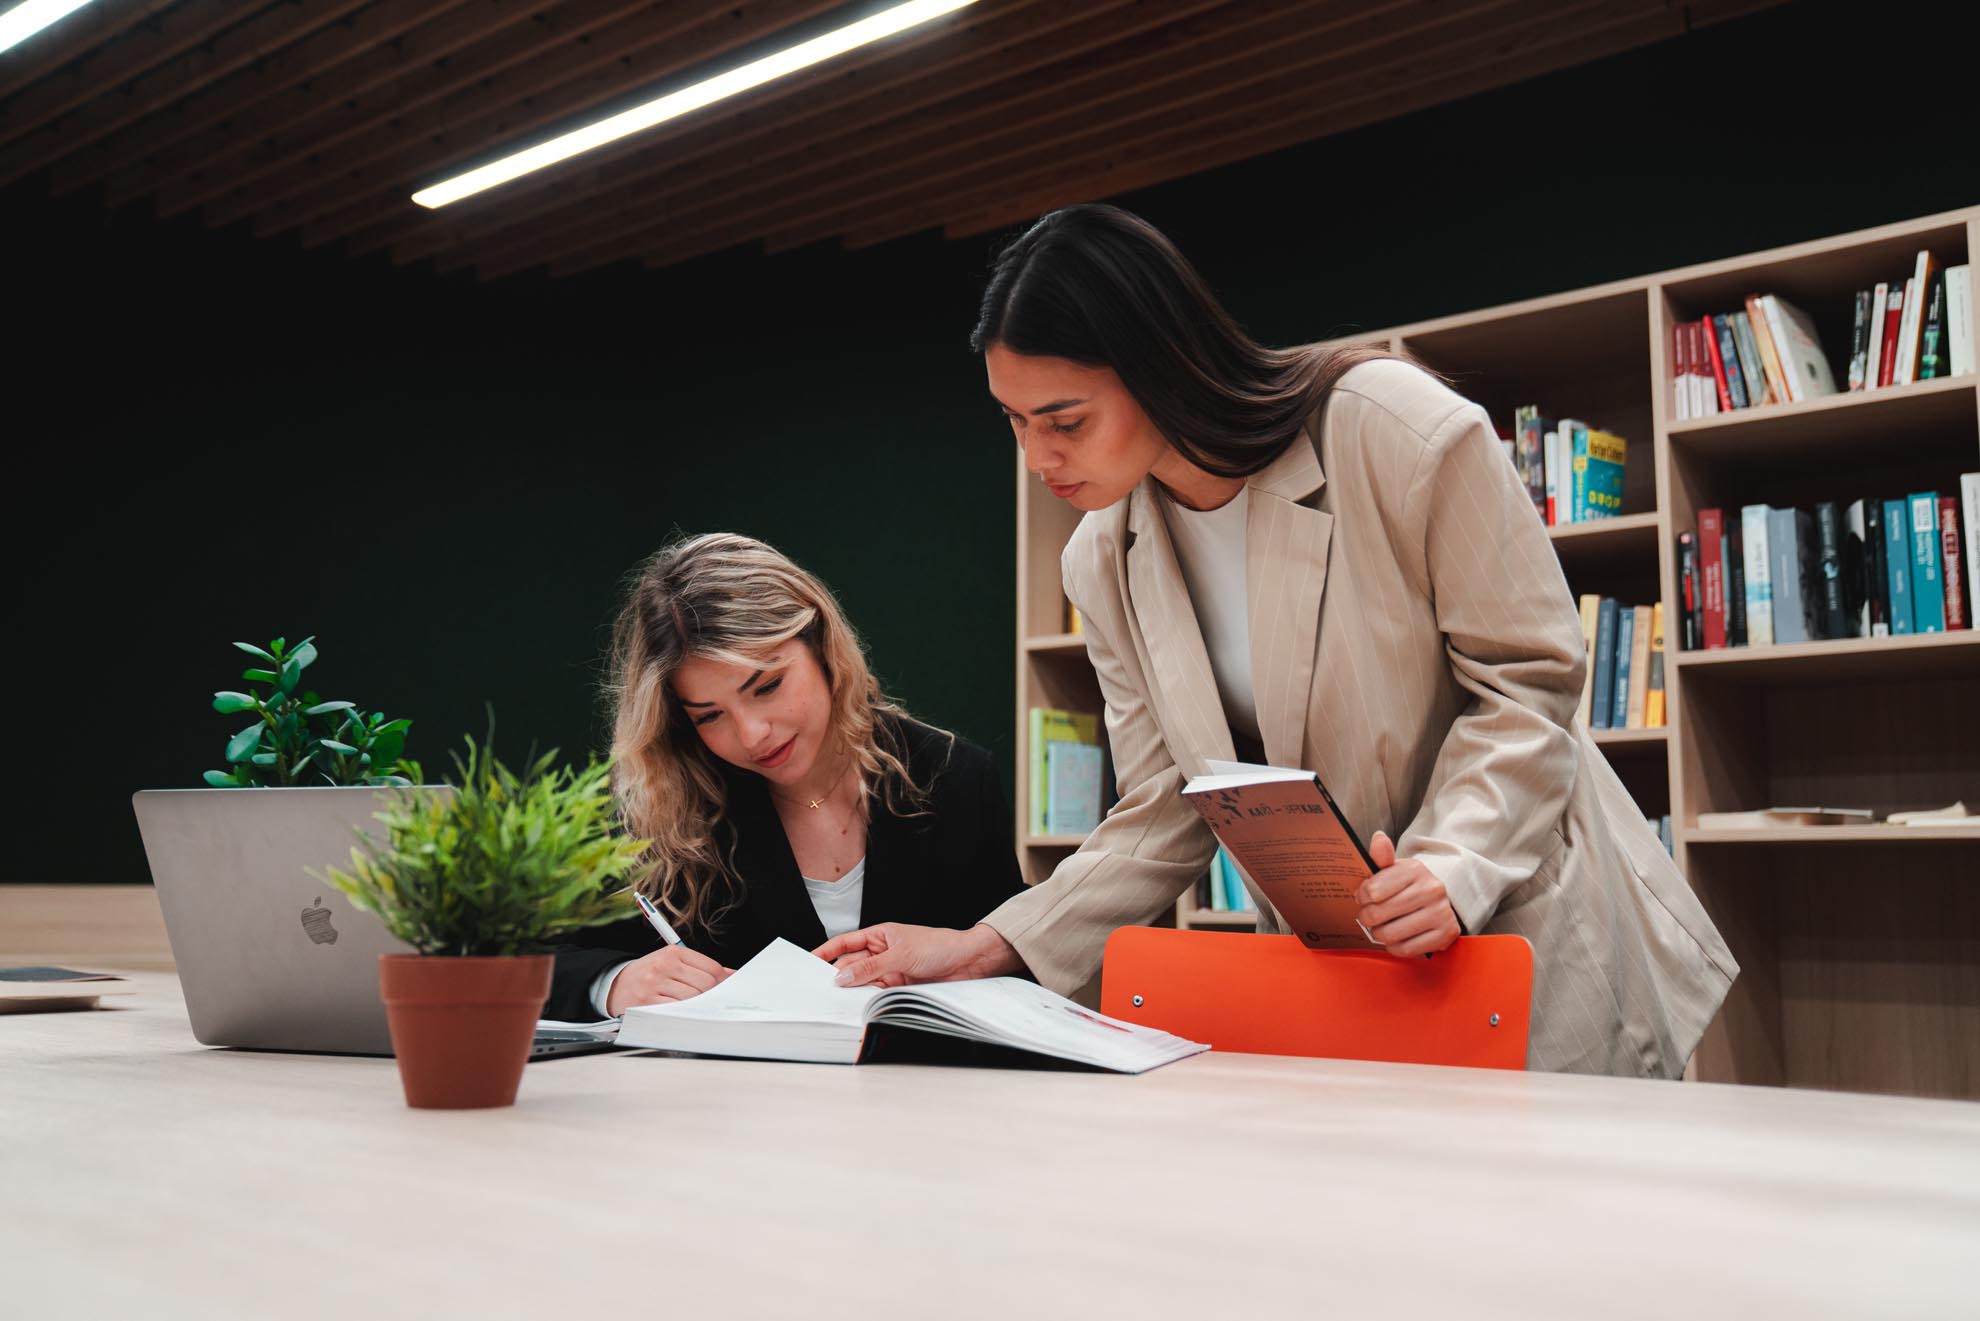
[479, 881]
[297, 738]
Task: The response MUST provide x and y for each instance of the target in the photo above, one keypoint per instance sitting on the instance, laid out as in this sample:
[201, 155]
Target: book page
[782, 983]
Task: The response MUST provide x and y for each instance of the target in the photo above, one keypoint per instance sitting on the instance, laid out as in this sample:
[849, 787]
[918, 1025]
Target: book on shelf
[1691, 601]
[1786, 816]
[1712, 578]
[1074, 624]
[1918, 288]
[1969, 531]
[1893, 320]
[1624, 682]
[783, 1005]
[1933, 359]
[1758, 391]
[1959, 319]
[1772, 356]
[1869, 568]
[1591, 612]
[1573, 473]
[1873, 337]
[1803, 362]
[1048, 726]
[1284, 829]
[1072, 776]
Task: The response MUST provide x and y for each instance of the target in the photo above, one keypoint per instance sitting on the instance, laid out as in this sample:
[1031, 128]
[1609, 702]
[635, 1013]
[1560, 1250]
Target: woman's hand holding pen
[673, 973]
[1404, 906]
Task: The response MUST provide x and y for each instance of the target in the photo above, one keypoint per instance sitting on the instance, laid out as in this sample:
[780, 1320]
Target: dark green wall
[216, 438]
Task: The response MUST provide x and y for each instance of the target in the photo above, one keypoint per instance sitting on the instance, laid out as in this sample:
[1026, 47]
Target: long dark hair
[1104, 288]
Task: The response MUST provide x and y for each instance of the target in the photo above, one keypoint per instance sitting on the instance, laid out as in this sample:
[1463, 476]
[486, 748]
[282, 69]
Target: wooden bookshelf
[1859, 946]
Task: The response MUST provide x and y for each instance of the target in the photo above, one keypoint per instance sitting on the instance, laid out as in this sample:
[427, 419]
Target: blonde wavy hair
[731, 599]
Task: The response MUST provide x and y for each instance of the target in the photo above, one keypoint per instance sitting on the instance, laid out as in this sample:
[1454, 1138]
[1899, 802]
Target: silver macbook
[269, 957]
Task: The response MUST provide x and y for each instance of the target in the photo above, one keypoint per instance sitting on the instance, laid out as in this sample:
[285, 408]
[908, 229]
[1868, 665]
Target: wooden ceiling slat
[1027, 115]
[455, 52]
[71, 39]
[250, 87]
[949, 127]
[1013, 49]
[548, 89]
[177, 30]
[238, 47]
[1172, 79]
[847, 90]
[1377, 63]
[1252, 134]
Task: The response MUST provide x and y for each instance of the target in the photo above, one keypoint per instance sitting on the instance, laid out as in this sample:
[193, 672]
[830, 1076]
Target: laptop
[269, 957]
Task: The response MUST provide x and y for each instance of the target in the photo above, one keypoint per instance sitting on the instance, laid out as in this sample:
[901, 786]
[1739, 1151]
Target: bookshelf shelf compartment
[1909, 657]
[1057, 644]
[1611, 739]
[1817, 835]
[1920, 417]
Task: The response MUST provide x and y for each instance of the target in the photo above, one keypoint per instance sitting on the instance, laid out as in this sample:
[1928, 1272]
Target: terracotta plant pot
[462, 1028]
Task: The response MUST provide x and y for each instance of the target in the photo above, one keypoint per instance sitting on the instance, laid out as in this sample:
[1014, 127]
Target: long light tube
[675, 104]
[31, 16]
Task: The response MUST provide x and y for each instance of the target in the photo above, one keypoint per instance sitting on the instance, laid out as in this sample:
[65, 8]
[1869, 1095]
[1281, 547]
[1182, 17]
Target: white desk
[142, 1175]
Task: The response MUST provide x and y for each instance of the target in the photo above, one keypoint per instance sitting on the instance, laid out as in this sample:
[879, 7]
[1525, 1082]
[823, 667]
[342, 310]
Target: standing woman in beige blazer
[1319, 558]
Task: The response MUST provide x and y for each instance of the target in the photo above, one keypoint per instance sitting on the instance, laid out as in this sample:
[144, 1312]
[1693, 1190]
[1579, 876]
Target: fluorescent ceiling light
[31, 16]
[675, 104]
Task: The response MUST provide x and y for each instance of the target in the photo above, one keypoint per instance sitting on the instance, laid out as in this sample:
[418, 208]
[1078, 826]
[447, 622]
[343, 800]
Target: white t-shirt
[1210, 550]
[836, 903]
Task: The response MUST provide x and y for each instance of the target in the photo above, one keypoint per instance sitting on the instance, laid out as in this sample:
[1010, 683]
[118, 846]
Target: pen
[667, 933]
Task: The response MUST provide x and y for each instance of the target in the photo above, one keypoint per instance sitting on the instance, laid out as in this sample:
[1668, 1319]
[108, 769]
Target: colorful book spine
[1574, 442]
[1712, 574]
[1749, 360]
[1550, 446]
[1770, 357]
[1605, 663]
[1969, 528]
[1788, 542]
[1876, 580]
[1874, 335]
[1958, 616]
[1928, 605]
[1833, 613]
[1721, 384]
[1893, 323]
[1759, 581]
[1625, 655]
[1602, 493]
[1897, 563]
[1691, 628]
[1859, 338]
[1639, 669]
[1932, 358]
[1653, 694]
[1729, 363]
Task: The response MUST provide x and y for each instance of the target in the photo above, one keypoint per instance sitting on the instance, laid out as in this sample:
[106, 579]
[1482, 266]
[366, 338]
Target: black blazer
[946, 869]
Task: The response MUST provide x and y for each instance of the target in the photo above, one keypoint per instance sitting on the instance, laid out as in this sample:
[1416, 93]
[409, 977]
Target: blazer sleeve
[1151, 847]
[1505, 769]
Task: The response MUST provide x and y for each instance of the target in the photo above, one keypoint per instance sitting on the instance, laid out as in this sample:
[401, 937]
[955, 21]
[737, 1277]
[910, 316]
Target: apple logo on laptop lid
[316, 922]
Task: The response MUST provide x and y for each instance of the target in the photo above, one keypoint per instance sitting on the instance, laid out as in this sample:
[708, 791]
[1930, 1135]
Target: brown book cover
[1763, 339]
[1284, 831]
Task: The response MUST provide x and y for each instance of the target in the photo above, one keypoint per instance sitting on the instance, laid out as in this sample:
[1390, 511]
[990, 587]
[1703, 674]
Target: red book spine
[1951, 573]
[1712, 569]
[1681, 367]
[1893, 315]
[1711, 338]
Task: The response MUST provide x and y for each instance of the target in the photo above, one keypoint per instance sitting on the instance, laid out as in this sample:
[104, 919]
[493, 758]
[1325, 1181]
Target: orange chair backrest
[1270, 995]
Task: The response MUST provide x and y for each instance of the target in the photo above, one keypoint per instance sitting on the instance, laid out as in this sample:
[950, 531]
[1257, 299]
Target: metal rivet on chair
[1137, 1002]
[1495, 1020]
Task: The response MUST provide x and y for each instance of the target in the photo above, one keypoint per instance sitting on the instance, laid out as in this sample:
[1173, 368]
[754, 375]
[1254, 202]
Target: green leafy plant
[503, 864]
[298, 738]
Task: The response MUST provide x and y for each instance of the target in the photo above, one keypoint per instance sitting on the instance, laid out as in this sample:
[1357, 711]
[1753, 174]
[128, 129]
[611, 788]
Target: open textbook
[783, 1005]
[1282, 829]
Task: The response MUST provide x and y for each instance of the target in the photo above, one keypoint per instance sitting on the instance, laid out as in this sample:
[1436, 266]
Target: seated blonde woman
[783, 793]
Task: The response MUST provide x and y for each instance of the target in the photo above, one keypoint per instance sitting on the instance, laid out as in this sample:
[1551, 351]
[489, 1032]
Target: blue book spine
[1787, 545]
[1605, 665]
[1759, 583]
[1897, 562]
[1625, 635]
[1928, 599]
[1578, 465]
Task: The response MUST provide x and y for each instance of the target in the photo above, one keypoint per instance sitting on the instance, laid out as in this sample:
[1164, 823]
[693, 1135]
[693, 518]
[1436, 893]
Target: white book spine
[1969, 505]
[1784, 349]
[1759, 580]
[1876, 358]
[1680, 380]
[1914, 303]
[1550, 459]
[1959, 318]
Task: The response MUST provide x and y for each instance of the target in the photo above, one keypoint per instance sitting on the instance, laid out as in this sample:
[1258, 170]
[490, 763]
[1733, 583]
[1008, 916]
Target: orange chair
[1270, 995]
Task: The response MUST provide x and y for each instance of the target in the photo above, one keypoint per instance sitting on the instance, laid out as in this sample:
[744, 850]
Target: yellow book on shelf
[1591, 610]
[1653, 699]
[1636, 703]
[1073, 622]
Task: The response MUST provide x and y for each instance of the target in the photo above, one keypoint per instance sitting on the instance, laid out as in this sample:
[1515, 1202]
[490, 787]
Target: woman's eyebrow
[1052, 407]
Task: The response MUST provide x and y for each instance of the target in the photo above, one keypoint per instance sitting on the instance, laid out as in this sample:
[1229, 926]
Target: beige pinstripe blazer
[1413, 641]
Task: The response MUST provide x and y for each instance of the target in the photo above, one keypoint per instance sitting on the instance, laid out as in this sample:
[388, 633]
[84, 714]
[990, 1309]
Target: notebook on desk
[783, 1005]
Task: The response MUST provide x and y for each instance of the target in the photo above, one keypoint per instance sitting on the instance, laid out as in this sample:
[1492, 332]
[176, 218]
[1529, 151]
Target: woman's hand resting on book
[673, 973]
[1404, 906]
[894, 954]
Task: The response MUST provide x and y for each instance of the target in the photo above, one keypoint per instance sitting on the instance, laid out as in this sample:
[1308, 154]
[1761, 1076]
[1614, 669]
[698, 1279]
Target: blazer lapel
[1179, 662]
[774, 889]
[1285, 569]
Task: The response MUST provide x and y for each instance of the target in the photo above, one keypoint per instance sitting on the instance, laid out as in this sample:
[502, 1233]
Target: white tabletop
[142, 1175]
